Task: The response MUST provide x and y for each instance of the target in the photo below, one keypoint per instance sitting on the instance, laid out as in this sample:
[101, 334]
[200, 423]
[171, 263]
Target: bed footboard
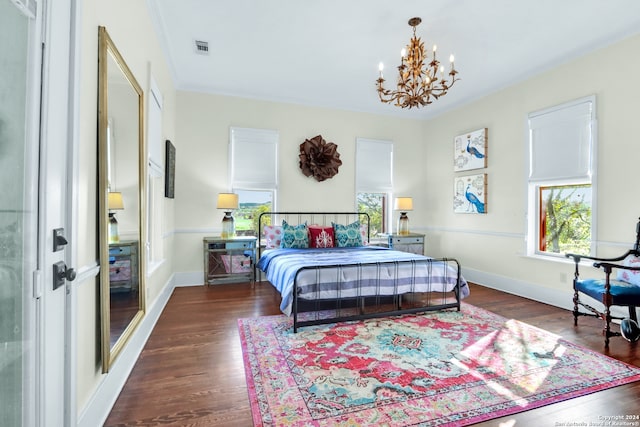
[380, 289]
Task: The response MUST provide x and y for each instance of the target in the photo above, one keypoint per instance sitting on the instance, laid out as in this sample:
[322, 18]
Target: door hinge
[37, 284]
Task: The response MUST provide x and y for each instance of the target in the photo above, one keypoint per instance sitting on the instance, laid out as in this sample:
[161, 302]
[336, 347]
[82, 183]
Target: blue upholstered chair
[620, 286]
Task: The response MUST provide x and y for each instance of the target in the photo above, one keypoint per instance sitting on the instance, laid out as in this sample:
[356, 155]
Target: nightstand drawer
[119, 250]
[407, 240]
[240, 245]
[412, 243]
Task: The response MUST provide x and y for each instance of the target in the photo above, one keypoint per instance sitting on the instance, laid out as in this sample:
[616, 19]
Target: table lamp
[228, 202]
[114, 203]
[403, 204]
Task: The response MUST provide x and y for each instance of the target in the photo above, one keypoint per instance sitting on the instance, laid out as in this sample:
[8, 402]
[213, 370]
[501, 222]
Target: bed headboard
[316, 218]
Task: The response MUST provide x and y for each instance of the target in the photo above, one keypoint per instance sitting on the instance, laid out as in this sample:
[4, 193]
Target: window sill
[559, 259]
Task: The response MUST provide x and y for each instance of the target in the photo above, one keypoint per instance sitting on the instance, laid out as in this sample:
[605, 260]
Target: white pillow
[630, 276]
[273, 234]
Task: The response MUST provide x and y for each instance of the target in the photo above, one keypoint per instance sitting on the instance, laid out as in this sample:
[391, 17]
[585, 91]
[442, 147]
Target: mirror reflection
[120, 180]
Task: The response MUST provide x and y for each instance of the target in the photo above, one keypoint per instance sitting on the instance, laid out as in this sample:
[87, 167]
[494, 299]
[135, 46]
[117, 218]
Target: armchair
[621, 289]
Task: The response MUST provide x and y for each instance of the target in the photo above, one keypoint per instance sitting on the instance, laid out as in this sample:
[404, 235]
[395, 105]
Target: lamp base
[403, 224]
[228, 226]
[113, 229]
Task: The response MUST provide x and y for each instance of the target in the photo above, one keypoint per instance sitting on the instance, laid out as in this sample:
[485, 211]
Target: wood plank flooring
[191, 373]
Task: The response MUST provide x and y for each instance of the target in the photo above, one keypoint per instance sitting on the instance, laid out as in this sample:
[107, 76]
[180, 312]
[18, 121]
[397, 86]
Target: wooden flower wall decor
[319, 158]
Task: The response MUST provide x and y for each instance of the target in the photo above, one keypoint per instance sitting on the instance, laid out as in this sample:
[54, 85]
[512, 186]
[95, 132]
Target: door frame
[58, 208]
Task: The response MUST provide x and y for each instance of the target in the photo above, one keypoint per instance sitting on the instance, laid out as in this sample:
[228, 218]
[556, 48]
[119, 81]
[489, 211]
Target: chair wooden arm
[608, 267]
[578, 257]
[635, 251]
[607, 264]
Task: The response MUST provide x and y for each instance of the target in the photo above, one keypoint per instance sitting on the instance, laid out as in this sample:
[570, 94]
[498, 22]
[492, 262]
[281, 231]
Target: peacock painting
[470, 151]
[470, 194]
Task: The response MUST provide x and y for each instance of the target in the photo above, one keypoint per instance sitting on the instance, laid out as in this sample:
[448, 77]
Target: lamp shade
[115, 201]
[403, 204]
[227, 201]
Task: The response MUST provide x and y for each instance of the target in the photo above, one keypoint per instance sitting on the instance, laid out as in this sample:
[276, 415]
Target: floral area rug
[438, 368]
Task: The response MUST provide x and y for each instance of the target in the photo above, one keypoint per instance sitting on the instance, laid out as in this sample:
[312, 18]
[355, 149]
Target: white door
[56, 260]
[35, 134]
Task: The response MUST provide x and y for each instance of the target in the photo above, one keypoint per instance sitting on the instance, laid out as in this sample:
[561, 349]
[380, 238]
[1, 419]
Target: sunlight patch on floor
[514, 352]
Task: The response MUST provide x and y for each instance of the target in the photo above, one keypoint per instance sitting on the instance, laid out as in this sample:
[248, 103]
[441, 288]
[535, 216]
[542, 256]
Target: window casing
[253, 168]
[155, 180]
[374, 181]
[561, 191]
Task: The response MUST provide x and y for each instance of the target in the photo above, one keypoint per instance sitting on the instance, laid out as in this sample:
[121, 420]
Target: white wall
[129, 25]
[491, 247]
[203, 123]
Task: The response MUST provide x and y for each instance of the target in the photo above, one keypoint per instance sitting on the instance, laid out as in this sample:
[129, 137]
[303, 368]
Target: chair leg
[607, 326]
[632, 313]
[575, 307]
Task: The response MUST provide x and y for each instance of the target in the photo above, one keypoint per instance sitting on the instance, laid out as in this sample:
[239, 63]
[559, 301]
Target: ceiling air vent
[202, 47]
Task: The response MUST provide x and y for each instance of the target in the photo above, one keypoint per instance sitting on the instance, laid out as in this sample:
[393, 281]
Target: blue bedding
[356, 272]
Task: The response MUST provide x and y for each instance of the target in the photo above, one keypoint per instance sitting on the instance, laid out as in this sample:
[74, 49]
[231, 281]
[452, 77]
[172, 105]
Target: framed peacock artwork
[470, 151]
[470, 194]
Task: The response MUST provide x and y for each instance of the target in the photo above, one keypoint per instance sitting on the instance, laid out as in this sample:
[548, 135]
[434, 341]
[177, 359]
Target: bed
[321, 283]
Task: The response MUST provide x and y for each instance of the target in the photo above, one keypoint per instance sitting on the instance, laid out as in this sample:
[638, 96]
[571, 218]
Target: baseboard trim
[99, 406]
[189, 278]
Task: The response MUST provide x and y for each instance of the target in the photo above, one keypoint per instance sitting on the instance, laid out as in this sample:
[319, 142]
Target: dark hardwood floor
[191, 373]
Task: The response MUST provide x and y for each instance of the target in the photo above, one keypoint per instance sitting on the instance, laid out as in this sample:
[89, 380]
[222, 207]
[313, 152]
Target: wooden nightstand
[123, 266]
[229, 260]
[412, 242]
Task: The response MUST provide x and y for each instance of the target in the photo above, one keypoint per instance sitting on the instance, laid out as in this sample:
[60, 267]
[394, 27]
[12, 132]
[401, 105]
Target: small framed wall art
[470, 194]
[470, 151]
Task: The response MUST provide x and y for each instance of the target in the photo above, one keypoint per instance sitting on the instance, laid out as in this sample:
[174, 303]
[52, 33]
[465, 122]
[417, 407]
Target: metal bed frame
[307, 312]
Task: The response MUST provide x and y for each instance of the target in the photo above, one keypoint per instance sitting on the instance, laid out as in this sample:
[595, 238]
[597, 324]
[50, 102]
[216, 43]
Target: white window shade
[560, 142]
[374, 165]
[253, 158]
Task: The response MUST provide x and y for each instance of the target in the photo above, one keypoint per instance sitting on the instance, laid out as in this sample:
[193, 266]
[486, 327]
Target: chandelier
[418, 83]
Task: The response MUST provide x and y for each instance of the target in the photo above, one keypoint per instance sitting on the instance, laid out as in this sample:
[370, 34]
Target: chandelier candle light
[418, 83]
[228, 202]
[403, 204]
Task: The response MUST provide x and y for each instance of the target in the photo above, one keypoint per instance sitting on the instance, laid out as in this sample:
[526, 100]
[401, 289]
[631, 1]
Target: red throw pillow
[321, 237]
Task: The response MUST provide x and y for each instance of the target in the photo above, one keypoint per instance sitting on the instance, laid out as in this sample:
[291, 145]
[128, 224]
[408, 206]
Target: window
[565, 219]
[251, 204]
[253, 159]
[561, 151]
[155, 246]
[375, 204]
[374, 181]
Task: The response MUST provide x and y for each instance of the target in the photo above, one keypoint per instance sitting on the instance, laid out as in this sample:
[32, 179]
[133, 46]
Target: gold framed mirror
[120, 199]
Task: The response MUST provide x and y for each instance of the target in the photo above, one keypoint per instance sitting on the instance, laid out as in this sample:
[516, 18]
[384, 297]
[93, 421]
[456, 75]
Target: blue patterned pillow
[294, 236]
[347, 236]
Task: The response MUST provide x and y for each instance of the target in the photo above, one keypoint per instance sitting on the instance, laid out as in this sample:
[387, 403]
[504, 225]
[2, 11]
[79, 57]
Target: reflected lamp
[114, 203]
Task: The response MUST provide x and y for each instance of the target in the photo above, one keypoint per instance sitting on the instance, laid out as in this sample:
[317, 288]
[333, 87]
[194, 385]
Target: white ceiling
[326, 53]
